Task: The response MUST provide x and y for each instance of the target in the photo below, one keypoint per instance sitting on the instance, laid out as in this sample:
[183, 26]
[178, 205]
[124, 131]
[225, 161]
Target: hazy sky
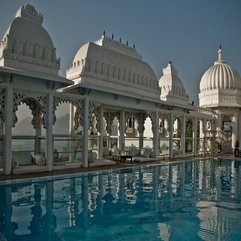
[187, 32]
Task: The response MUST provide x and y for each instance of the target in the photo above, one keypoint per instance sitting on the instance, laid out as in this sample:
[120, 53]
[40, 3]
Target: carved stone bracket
[109, 117]
[17, 99]
[98, 118]
[78, 115]
[36, 110]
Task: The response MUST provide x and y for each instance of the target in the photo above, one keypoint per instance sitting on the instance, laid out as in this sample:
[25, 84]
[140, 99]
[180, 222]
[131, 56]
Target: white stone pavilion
[111, 93]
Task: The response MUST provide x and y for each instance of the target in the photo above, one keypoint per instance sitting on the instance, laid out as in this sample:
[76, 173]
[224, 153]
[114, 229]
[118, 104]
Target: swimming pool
[192, 200]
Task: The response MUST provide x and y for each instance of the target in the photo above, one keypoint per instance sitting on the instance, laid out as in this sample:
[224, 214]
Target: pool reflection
[164, 202]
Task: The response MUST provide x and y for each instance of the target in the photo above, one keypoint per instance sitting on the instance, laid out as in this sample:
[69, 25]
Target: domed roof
[220, 76]
[27, 45]
[171, 85]
[113, 65]
[220, 85]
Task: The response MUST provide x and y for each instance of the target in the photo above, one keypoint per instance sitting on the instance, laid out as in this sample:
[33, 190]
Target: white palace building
[113, 96]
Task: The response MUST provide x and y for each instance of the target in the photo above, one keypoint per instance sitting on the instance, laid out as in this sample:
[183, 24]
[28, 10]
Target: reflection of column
[8, 228]
[234, 129]
[183, 176]
[101, 119]
[101, 194]
[170, 182]
[85, 132]
[7, 140]
[49, 219]
[122, 130]
[36, 211]
[49, 132]
[170, 124]
[183, 134]
[85, 201]
[156, 175]
[73, 203]
[122, 191]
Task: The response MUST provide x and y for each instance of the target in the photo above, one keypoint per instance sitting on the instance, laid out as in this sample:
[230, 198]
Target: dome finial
[220, 54]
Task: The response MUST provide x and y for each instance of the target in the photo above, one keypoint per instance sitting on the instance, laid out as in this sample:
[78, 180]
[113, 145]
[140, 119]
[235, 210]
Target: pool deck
[82, 170]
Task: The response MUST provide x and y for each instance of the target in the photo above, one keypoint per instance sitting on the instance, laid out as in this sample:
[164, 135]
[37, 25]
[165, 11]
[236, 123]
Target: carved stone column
[155, 131]
[183, 134]
[195, 135]
[49, 115]
[85, 131]
[71, 118]
[122, 130]
[141, 128]
[234, 129]
[170, 125]
[8, 123]
[101, 124]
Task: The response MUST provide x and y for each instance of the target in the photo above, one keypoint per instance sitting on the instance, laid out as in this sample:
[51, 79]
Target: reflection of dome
[172, 88]
[108, 63]
[27, 45]
[220, 84]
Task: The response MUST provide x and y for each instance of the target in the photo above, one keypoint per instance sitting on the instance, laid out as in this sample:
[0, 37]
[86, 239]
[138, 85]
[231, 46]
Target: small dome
[220, 85]
[220, 76]
[27, 45]
[172, 88]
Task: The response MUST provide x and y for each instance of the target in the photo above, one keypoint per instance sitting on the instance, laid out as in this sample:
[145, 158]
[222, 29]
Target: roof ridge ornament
[29, 12]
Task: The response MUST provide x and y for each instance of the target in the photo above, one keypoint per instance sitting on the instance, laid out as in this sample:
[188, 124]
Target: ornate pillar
[101, 120]
[183, 134]
[204, 129]
[8, 122]
[170, 125]
[140, 118]
[122, 130]
[239, 124]
[195, 135]
[49, 115]
[234, 129]
[85, 131]
[155, 130]
[71, 118]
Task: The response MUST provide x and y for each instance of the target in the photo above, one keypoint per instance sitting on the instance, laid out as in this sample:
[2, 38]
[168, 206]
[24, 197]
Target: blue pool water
[193, 200]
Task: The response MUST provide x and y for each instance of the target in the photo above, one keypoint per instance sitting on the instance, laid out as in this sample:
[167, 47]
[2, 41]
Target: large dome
[114, 66]
[26, 44]
[220, 76]
[220, 85]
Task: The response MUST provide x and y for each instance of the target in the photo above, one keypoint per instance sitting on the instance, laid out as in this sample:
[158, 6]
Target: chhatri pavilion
[112, 96]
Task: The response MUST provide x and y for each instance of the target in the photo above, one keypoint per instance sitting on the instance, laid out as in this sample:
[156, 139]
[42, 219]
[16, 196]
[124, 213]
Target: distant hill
[24, 127]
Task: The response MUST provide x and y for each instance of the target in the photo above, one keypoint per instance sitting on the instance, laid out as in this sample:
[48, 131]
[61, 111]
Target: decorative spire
[220, 54]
